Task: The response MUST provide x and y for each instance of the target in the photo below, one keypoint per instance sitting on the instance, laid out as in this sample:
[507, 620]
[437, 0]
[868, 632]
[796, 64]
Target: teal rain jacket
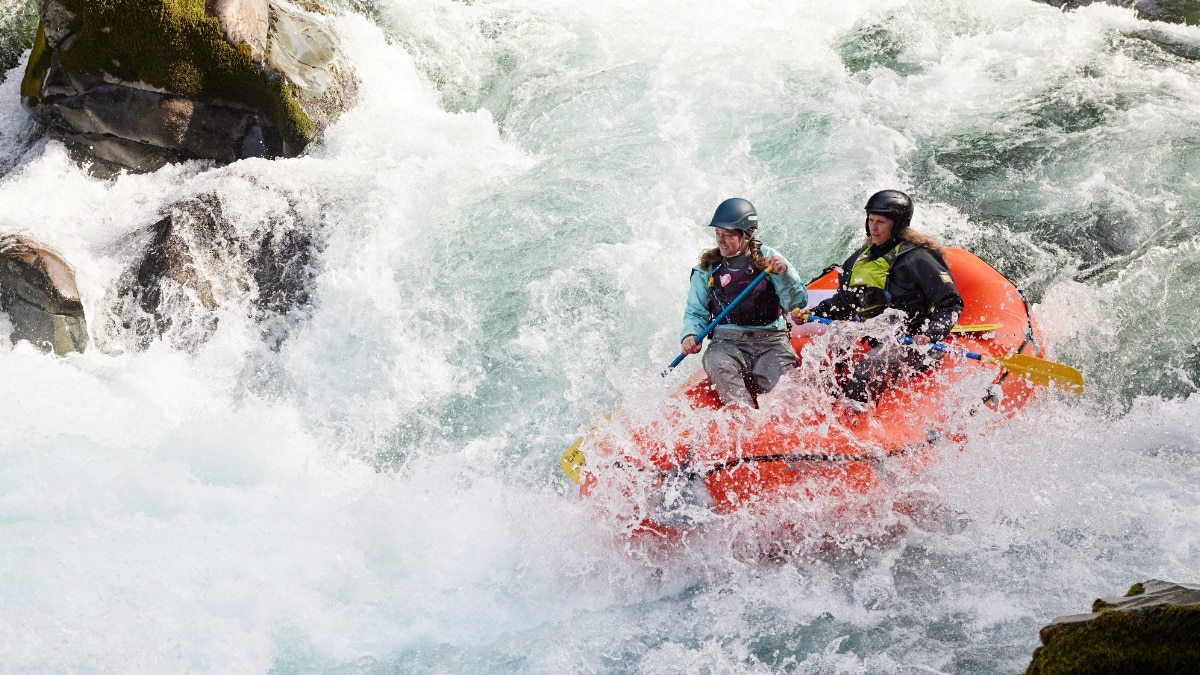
[788, 287]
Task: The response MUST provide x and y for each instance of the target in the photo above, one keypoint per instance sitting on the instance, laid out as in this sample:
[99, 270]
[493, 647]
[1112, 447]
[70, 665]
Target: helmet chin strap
[749, 234]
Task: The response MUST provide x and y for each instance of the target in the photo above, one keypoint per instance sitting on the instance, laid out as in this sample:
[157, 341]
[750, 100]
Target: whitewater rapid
[509, 217]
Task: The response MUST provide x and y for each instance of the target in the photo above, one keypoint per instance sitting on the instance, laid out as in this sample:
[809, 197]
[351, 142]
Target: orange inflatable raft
[688, 461]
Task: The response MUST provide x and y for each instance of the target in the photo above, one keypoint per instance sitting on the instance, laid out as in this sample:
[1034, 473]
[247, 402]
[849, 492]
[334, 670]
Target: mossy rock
[141, 82]
[1151, 630]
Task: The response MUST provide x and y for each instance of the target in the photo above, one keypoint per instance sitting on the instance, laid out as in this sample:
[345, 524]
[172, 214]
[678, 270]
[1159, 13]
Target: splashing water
[508, 218]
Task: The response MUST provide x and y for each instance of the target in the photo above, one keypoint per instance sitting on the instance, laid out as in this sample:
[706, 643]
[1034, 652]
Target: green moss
[1136, 589]
[35, 70]
[1163, 639]
[172, 45]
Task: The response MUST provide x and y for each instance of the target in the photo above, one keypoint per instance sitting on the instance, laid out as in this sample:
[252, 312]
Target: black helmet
[895, 205]
[735, 214]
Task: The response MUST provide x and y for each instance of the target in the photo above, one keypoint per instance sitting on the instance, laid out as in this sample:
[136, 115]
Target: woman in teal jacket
[750, 349]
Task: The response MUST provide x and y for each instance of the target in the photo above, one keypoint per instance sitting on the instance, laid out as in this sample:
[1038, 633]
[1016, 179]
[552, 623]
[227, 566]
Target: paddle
[969, 328]
[977, 328]
[709, 328]
[573, 459]
[1038, 371]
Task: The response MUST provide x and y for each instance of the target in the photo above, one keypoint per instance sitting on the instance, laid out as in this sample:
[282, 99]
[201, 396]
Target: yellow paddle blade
[1041, 372]
[572, 461]
[977, 328]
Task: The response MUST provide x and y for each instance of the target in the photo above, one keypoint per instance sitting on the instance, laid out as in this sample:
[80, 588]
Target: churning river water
[510, 214]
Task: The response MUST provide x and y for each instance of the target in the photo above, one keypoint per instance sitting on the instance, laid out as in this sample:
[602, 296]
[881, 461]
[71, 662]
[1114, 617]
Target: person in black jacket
[896, 268]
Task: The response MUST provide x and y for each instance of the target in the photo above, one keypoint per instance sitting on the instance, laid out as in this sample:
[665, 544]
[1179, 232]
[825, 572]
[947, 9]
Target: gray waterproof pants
[882, 366]
[737, 361]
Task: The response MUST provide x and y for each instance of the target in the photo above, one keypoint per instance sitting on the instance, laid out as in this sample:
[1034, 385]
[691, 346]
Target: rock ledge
[1154, 628]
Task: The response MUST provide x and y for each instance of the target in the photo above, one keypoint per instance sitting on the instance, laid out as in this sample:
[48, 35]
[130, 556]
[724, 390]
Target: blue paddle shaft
[947, 349]
[725, 312]
[908, 341]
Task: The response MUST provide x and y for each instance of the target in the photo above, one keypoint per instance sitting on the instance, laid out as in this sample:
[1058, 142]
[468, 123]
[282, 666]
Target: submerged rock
[1170, 11]
[38, 292]
[138, 83]
[198, 265]
[1154, 628]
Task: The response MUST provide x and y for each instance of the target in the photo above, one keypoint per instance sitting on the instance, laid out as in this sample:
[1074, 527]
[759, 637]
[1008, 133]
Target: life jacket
[867, 280]
[760, 308]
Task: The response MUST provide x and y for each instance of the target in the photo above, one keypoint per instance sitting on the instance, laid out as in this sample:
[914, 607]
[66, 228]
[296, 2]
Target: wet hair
[919, 239]
[712, 257]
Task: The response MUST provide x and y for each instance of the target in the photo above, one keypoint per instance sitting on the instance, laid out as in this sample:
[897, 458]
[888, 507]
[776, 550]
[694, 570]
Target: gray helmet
[736, 214]
[895, 205]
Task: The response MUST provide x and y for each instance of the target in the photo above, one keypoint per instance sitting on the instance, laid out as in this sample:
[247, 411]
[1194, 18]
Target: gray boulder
[39, 295]
[197, 265]
[137, 84]
[1154, 628]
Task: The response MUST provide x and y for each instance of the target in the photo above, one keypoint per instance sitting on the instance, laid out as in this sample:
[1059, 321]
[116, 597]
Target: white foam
[508, 217]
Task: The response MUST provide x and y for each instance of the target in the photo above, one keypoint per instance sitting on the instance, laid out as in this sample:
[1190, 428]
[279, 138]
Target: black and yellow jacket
[918, 283]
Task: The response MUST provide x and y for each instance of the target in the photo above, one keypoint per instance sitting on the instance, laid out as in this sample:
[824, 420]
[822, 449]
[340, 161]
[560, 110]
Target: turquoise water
[509, 216]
